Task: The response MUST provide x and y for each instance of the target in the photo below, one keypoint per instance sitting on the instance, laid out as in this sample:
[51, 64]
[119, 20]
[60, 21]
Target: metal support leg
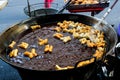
[29, 11]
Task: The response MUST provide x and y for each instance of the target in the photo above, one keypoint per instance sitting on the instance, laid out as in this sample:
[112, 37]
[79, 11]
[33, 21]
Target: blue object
[118, 32]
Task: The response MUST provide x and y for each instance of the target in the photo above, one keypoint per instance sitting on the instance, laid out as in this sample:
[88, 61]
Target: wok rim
[32, 18]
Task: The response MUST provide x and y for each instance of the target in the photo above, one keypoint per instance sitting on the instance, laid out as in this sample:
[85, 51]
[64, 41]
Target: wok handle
[114, 4]
[62, 9]
[109, 10]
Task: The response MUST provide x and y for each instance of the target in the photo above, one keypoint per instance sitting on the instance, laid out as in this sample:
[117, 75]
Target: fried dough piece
[12, 44]
[23, 45]
[13, 53]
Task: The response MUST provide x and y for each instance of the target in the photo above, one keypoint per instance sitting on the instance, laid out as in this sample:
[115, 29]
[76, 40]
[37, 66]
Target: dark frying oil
[63, 54]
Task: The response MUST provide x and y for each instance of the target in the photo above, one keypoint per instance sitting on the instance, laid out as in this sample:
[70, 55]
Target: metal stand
[29, 10]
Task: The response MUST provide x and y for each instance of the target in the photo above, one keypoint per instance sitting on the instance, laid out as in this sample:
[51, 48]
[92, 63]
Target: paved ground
[13, 13]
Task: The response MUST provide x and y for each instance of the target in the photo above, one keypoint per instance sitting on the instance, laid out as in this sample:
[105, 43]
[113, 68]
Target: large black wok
[14, 31]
